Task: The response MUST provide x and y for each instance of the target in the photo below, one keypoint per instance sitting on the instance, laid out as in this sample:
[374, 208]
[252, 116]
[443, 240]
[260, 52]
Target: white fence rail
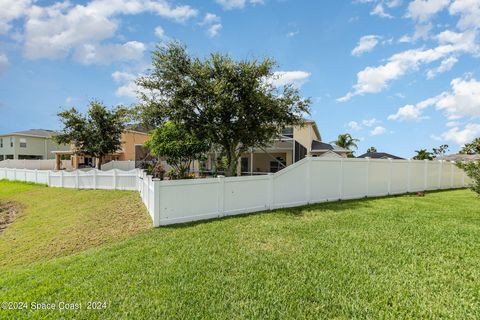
[34, 164]
[311, 180]
[92, 179]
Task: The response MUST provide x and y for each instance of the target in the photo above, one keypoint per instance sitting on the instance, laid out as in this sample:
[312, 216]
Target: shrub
[472, 169]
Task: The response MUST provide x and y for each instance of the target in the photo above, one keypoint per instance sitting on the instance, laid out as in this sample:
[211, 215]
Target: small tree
[371, 150]
[233, 105]
[423, 154]
[97, 133]
[471, 148]
[346, 141]
[440, 151]
[472, 169]
[178, 146]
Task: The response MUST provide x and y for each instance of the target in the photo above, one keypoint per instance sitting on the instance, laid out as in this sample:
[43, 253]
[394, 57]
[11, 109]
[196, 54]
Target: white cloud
[57, 30]
[376, 79]
[296, 78]
[422, 31]
[292, 33]
[370, 122]
[463, 101]
[11, 10]
[128, 87]
[237, 4]
[378, 10]
[422, 10]
[413, 112]
[160, 33]
[213, 24]
[394, 3]
[354, 125]
[365, 44]
[379, 130]
[462, 136]
[214, 30]
[3, 63]
[445, 65]
[104, 54]
[469, 11]
[452, 124]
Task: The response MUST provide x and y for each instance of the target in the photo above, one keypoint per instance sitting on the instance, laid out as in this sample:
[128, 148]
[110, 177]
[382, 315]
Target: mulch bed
[8, 211]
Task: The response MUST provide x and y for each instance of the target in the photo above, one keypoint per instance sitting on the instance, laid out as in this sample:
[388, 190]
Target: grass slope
[401, 257]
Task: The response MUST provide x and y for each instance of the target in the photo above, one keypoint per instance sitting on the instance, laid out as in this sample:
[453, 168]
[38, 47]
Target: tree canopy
[232, 105]
[423, 154]
[346, 141]
[472, 147]
[371, 150]
[177, 145]
[96, 133]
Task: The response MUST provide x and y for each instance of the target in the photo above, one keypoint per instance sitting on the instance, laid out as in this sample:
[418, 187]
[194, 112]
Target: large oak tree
[233, 105]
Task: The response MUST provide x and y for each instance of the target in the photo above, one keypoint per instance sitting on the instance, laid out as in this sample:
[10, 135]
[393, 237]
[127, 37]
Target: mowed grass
[394, 258]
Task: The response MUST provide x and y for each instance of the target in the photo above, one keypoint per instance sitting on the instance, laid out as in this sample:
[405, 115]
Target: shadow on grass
[299, 211]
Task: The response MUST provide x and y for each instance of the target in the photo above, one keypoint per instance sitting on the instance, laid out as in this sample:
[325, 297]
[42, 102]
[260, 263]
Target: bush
[472, 169]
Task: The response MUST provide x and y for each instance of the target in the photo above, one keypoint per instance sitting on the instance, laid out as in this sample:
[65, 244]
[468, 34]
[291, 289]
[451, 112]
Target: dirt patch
[8, 211]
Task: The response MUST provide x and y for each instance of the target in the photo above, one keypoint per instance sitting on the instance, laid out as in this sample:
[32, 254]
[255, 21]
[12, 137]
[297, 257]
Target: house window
[23, 143]
[1, 142]
[11, 142]
[244, 165]
[1, 157]
[288, 132]
[277, 165]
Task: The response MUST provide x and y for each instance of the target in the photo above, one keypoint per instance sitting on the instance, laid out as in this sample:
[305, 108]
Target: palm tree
[423, 154]
[371, 150]
[346, 141]
[472, 148]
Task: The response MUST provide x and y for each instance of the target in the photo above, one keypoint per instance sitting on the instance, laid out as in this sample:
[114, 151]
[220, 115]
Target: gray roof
[44, 133]
[318, 145]
[460, 157]
[380, 155]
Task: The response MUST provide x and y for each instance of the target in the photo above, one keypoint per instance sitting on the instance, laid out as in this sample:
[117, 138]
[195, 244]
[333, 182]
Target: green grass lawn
[398, 257]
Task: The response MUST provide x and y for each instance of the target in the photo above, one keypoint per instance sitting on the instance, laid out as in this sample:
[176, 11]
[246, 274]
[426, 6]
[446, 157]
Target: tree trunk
[99, 162]
[232, 162]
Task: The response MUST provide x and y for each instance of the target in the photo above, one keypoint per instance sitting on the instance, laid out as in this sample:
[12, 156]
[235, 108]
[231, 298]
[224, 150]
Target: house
[380, 155]
[133, 139]
[460, 157]
[294, 144]
[34, 144]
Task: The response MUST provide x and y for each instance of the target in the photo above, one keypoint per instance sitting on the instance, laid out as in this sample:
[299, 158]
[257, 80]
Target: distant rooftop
[380, 155]
[460, 157]
[44, 133]
[321, 146]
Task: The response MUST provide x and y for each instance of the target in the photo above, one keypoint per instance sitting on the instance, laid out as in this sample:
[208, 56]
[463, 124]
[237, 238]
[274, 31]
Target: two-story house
[34, 144]
[294, 144]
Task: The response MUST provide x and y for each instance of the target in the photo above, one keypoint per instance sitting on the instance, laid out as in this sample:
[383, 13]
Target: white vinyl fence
[121, 165]
[311, 180]
[92, 179]
[34, 164]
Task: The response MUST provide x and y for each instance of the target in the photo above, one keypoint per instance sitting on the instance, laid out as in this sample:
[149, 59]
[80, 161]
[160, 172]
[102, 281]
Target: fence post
[114, 179]
[48, 178]
[61, 178]
[425, 174]
[440, 173]
[14, 173]
[409, 176]
[77, 183]
[221, 196]
[390, 169]
[340, 182]
[271, 190]
[452, 173]
[368, 176]
[308, 180]
[94, 179]
[36, 176]
[156, 203]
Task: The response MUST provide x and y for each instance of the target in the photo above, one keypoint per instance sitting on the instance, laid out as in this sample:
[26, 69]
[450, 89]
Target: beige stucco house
[132, 142]
[294, 144]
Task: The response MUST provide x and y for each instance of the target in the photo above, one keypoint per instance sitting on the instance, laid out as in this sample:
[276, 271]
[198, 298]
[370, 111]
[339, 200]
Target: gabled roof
[322, 146]
[42, 133]
[380, 155]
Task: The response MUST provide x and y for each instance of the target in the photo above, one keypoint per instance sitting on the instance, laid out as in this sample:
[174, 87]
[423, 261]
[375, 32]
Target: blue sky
[399, 75]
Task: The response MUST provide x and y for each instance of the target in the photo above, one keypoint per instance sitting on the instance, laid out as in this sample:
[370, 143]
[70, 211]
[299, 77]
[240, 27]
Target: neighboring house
[380, 155]
[460, 157]
[34, 144]
[294, 144]
[132, 142]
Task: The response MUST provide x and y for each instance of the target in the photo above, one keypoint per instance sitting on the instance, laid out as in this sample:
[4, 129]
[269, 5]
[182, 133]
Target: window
[11, 142]
[288, 132]
[9, 157]
[23, 143]
[1, 157]
[1, 142]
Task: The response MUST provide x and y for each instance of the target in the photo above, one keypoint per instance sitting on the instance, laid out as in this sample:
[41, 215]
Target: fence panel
[325, 180]
[354, 178]
[289, 186]
[246, 194]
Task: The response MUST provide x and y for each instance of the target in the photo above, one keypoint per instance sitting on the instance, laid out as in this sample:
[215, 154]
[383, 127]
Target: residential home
[34, 144]
[294, 144]
[133, 139]
[380, 155]
[460, 157]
